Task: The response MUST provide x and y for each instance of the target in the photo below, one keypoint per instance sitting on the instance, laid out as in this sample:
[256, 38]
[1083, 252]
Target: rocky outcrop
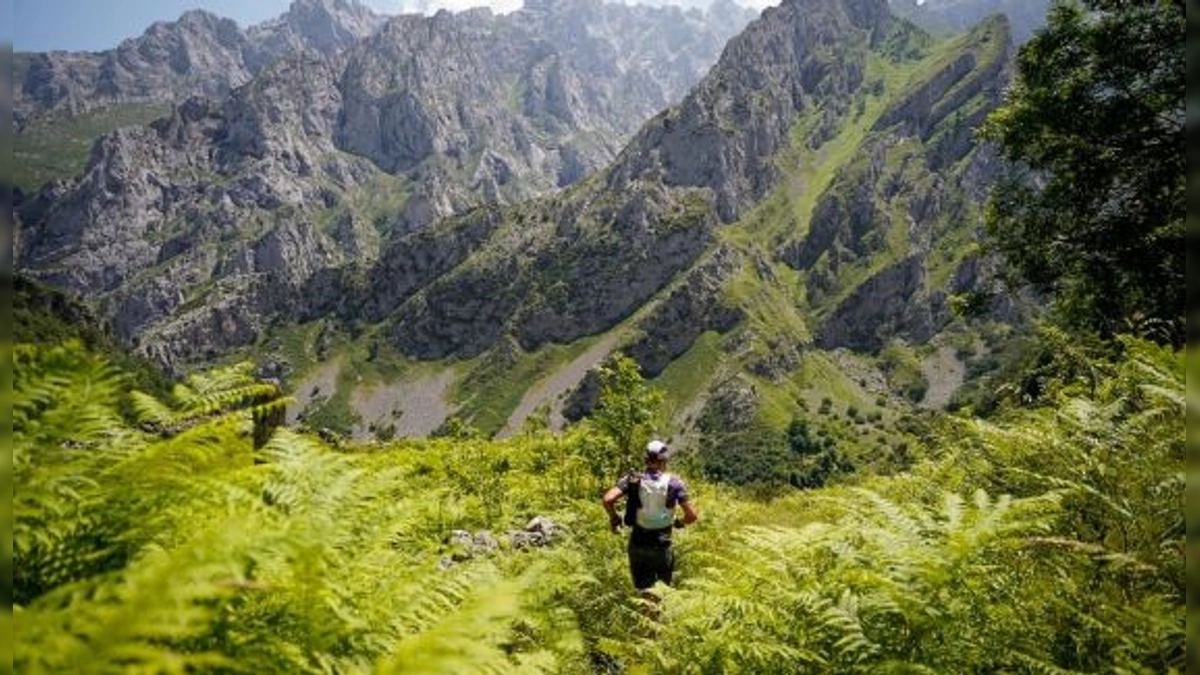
[845, 215]
[693, 308]
[732, 406]
[415, 260]
[463, 546]
[918, 180]
[974, 73]
[200, 54]
[799, 58]
[890, 304]
[558, 270]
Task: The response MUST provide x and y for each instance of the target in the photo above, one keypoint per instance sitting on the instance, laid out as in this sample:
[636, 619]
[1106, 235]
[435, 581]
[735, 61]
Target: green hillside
[859, 510]
[774, 348]
[161, 540]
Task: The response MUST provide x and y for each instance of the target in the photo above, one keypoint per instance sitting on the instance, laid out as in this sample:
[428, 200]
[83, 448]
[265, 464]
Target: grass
[489, 392]
[771, 305]
[689, 374]
[59, 146]
[821, 377]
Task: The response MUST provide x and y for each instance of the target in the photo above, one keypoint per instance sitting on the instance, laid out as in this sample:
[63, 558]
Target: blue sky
[6, 21]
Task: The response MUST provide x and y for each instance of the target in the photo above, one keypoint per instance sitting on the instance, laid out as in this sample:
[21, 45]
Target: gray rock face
[463, 546]
[798, 56]
[203, 219]
[693, 308]
[229, 208]
[477, 107]
[889, 304]
[200, 54]
[326, 26]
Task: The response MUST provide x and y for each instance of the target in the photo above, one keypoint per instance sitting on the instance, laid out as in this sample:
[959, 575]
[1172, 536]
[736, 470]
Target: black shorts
[650, 564]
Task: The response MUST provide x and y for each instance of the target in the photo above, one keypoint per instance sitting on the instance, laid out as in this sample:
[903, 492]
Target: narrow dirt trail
[550, 389]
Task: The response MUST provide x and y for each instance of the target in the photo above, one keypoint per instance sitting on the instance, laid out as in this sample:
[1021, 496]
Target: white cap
[656, 449]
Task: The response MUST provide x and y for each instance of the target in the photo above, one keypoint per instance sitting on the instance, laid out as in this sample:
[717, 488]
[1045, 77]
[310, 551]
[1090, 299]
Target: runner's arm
[610, 500]
[610, 505]
[689, 512]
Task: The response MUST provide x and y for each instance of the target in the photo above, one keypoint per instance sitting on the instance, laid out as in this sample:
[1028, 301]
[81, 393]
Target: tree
[1094, 210]
[626, 403]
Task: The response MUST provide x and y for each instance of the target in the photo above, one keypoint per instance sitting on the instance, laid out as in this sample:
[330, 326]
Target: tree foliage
[626, 407]
[1095, 121]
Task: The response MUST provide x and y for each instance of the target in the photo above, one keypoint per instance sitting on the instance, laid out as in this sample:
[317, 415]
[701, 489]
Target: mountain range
[324, 154]
[459, 215]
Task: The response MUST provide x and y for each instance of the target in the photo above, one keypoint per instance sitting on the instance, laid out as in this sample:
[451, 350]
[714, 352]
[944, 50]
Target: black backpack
[633, 498]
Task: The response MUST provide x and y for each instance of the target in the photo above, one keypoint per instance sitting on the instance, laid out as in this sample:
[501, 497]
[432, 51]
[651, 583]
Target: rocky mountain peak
[197, 230]
[329, 26]
[198, 54]
[799, 56]
[192, 18]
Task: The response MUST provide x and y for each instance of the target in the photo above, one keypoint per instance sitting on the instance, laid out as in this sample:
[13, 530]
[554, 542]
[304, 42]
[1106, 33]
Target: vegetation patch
[495, 382]
[59, 146]
[689, 376]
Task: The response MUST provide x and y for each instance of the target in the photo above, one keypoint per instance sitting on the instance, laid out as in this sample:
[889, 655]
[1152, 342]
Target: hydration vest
[653, 512]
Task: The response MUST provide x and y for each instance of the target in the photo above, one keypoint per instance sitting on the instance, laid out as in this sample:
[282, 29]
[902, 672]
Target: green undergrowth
[59, 146]
[159, 539]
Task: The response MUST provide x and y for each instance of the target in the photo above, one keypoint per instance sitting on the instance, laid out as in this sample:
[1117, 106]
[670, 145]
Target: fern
[1047, 539]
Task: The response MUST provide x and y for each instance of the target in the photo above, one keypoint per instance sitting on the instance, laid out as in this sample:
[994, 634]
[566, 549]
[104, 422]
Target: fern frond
[1040, 666]
[218, 380]
[467, 636]
[149, 410]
